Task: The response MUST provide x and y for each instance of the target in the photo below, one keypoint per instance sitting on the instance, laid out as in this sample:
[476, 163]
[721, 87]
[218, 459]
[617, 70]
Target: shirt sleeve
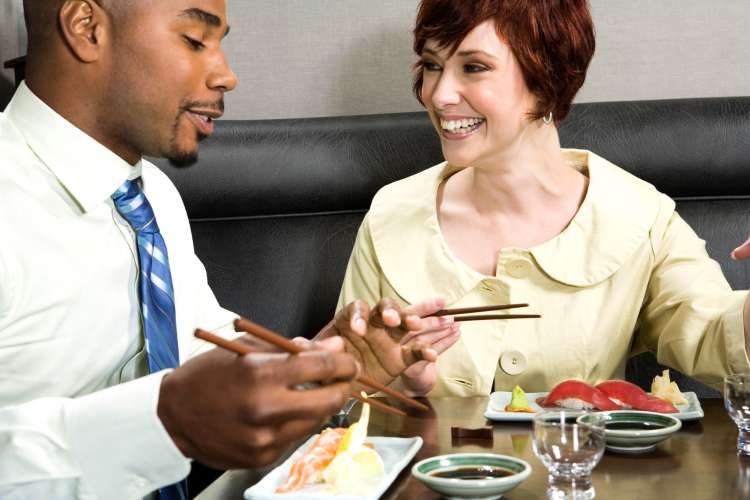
[362, 278]
[210, 315]
[74, 447]
[692, 320]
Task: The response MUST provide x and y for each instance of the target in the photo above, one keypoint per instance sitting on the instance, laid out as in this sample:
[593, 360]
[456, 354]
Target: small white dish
[395, 452]
[482, 464]
[632, 431]
[499, 400]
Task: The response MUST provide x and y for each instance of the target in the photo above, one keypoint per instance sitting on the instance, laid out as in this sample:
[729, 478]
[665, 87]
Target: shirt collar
[613, 220]
[86, 169]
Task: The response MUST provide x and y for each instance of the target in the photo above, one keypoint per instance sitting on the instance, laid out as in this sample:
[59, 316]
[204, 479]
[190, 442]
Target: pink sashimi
[632, 396]
[577, 395]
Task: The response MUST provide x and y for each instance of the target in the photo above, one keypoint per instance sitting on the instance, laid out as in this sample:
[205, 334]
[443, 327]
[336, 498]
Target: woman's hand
[742, 252]
[420, 378]
[386, 340]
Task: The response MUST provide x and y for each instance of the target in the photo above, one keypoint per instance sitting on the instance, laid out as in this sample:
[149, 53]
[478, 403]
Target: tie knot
[133, 206]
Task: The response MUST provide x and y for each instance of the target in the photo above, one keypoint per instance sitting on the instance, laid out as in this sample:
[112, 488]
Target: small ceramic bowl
[633, 431]
[471, 475]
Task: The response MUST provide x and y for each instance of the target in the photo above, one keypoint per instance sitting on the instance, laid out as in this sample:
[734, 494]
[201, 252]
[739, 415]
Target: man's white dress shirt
[77, 406]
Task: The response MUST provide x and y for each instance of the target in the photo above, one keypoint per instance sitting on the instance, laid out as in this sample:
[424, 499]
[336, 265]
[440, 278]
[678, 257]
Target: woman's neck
[521, 181]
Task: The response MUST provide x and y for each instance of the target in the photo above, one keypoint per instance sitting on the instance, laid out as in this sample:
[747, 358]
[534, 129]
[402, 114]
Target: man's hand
[742, 252]
[230, 411]
[387, 340]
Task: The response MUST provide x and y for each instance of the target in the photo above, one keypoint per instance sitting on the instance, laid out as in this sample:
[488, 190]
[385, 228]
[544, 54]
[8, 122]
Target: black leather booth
[275, 204]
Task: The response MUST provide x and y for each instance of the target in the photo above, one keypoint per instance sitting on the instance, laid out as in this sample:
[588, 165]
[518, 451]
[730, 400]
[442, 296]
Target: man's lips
[203, 119]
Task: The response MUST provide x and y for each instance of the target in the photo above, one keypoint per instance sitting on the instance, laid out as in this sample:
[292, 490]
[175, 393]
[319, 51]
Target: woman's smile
[457, 127]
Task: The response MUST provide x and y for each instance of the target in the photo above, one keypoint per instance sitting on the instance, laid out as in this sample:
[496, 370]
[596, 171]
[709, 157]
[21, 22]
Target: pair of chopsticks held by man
[106, 393]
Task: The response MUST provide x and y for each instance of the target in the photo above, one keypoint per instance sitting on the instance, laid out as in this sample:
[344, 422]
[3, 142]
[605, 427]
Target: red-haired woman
[512, 217]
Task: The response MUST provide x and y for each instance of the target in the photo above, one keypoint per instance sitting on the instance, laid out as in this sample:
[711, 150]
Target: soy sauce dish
[631, 431]
[471, 475]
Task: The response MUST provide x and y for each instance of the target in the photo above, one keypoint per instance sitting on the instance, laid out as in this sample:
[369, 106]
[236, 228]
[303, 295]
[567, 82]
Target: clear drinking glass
[737, 403]
[570, 451]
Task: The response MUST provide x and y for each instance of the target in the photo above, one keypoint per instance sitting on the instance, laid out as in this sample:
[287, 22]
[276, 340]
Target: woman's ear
[83, 24]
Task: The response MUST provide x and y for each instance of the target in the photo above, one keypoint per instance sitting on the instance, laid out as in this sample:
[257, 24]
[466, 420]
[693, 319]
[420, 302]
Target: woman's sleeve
[691, 320]
[363, 273]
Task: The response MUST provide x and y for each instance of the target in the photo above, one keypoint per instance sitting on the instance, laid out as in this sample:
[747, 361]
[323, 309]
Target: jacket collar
[86, 169]
[612, 222]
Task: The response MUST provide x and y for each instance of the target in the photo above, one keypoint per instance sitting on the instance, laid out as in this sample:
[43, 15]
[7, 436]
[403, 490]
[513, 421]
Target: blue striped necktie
[156, 293]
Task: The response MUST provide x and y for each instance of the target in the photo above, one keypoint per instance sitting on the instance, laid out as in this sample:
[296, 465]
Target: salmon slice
[310, 466]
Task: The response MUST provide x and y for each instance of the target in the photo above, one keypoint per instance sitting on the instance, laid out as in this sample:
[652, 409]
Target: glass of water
[737, 403]
[570, 450]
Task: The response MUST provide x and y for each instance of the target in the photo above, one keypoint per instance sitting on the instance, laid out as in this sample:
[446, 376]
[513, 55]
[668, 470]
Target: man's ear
[84, 26]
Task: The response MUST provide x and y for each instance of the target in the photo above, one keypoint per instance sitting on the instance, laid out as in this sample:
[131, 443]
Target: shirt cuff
[734, 332]
[122, 447]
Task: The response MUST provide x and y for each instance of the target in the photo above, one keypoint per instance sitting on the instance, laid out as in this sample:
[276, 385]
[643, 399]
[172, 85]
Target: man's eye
[430, 66]
[194, 44]
[474, 68]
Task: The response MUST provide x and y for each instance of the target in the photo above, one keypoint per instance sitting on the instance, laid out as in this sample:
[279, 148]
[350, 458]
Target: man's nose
[222, 77]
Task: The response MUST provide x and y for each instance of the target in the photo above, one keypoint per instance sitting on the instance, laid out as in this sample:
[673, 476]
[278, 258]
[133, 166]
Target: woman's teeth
[464, 125]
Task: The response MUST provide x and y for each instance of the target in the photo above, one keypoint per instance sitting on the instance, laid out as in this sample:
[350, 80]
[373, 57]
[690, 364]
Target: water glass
[570, 450]
[737, 403]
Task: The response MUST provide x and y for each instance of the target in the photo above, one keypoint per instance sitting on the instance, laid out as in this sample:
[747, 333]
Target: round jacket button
[513, 362]
[518, 268]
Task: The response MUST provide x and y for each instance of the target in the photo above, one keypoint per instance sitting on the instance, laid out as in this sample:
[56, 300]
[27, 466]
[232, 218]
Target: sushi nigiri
[309, 468]
[578, 395]
[632, 396]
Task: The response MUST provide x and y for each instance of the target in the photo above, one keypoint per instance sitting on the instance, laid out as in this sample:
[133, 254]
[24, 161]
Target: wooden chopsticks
[274, 338]
[479, 317]
[242, 349]
[287, 345]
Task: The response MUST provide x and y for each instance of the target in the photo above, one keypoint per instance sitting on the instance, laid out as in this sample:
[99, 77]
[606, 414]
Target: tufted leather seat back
[275, 204]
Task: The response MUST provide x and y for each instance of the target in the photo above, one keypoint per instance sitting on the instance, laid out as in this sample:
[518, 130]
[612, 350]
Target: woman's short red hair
[553, 41]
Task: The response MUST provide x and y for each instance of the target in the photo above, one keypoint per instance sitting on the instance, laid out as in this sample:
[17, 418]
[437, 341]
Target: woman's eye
[430, 66]
[194, 44]
[474, 68]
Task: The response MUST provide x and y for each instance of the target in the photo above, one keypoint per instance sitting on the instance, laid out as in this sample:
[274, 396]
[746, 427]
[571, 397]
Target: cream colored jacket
[626, 275]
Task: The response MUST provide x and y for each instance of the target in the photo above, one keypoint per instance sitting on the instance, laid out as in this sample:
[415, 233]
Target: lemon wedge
[355, 468]
[356, 434]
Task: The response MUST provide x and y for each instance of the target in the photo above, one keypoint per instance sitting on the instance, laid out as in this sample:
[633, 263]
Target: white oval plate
[499, 400]
[395, 452]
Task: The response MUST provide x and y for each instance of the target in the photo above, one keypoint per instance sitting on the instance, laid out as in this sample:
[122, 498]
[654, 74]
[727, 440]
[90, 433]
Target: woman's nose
[446, 92]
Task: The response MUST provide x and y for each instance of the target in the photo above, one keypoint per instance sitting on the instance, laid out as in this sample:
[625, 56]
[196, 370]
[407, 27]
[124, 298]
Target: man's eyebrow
[204, 17]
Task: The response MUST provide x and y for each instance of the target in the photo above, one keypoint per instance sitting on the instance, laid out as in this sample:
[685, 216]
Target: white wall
[12, 43]
[297, 58]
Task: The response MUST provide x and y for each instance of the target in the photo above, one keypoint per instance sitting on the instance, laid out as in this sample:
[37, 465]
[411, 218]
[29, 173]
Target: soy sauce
[632, 426]
[473, 473]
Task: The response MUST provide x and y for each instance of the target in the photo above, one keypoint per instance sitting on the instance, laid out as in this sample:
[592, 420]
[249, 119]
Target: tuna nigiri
[632, 396]
[578, 395]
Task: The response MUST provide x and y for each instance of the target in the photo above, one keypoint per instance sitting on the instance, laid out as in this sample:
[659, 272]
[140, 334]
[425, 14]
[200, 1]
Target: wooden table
[699, 462]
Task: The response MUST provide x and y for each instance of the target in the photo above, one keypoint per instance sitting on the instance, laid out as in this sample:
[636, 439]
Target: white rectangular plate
[498, 401]
[395, 452]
